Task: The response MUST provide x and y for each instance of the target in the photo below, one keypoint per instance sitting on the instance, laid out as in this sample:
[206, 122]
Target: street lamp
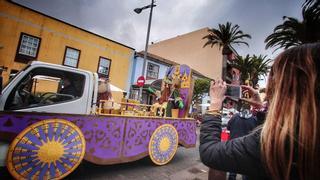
[138, 11]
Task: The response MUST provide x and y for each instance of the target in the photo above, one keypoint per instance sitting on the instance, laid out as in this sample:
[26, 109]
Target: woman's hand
[217, 91]
[254, 99]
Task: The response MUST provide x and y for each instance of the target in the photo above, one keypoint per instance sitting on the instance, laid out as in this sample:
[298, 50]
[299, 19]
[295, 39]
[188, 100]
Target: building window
[104, 66]
[28, 48]
[152, 71]
[71, 57]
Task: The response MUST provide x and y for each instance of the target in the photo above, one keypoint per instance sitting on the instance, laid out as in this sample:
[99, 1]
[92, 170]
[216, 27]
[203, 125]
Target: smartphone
[233, 91]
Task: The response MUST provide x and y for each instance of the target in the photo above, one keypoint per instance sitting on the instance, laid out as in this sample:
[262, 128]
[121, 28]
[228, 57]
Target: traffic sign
[140, 82]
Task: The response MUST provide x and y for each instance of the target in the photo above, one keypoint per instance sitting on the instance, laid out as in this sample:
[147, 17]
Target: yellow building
[27, 35]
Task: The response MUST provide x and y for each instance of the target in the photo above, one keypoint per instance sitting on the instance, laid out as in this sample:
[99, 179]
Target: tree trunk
[226, 51]
[224, 67]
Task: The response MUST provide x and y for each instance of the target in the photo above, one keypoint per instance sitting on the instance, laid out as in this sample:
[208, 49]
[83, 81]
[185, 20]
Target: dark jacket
[239, 155]
[240, 126]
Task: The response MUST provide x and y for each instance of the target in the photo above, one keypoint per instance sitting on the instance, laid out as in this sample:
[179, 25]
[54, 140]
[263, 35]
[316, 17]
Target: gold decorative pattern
[48, 149]
[163, 144]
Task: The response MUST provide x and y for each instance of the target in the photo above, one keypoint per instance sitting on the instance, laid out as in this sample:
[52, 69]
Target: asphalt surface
[185, 165]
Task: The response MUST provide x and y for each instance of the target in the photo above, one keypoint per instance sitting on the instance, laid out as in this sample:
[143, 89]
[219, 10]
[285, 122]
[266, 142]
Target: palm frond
[225, 35]
[252, 68]
[293, 32]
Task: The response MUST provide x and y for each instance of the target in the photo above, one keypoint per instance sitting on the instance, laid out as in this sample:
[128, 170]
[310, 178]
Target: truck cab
[44, 87]
[49, 88]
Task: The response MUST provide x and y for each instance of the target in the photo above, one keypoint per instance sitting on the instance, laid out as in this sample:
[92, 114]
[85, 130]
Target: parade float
[47, 133]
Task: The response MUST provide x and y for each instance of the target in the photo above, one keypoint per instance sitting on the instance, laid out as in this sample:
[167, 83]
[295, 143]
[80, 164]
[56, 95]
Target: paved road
[185, 165]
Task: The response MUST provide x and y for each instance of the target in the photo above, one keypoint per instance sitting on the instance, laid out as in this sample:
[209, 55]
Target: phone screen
[233, 91]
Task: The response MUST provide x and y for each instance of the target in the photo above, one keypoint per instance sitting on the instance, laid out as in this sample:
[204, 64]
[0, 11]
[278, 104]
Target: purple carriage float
[47, 129]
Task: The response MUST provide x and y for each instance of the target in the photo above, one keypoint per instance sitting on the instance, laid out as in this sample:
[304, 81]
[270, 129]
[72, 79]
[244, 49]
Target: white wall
[205, 103]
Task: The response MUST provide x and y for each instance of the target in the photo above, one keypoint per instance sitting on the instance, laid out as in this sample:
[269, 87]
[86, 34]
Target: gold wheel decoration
[163, 144]
[49, 149]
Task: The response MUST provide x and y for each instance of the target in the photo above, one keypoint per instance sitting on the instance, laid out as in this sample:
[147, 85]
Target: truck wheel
[49, 149]
[163, 144]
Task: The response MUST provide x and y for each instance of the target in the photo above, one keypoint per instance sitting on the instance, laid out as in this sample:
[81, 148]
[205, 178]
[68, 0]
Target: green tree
[293, 32]
[201, 86]
[261, 67]
[252, 68]
[245, 66]
[225, 36]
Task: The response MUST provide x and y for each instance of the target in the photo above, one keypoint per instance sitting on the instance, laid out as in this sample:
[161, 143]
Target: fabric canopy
[115, 88]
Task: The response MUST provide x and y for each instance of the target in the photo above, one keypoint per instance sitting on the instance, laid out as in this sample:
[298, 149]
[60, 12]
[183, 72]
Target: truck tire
[49, 149]
[163, 144]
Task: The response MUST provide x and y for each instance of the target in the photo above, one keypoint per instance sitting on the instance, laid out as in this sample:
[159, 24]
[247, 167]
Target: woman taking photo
[287, 146]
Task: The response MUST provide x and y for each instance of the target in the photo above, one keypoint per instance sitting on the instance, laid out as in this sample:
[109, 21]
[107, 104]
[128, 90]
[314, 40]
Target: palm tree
[252, 68]
[293, 32]
[225, 36]
[261, 67]
[245, 66]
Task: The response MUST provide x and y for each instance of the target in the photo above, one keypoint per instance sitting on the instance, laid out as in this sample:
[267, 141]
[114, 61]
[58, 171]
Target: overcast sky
[116, 20]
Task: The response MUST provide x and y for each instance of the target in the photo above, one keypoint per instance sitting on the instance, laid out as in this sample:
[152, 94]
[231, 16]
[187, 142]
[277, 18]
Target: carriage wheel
[163, 144]
[49, 149]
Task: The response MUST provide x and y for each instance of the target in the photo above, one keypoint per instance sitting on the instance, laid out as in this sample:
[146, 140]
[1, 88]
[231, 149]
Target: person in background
[287, 146]
[68, 88]
[240, 125]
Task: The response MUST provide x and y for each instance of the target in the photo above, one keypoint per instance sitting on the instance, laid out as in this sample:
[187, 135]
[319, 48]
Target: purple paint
[109, 139]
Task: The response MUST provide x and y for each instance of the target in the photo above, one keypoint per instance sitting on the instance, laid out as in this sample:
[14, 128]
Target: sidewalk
[196, 172]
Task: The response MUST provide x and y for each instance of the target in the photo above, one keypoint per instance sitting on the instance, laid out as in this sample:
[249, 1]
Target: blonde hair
[290, 144]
